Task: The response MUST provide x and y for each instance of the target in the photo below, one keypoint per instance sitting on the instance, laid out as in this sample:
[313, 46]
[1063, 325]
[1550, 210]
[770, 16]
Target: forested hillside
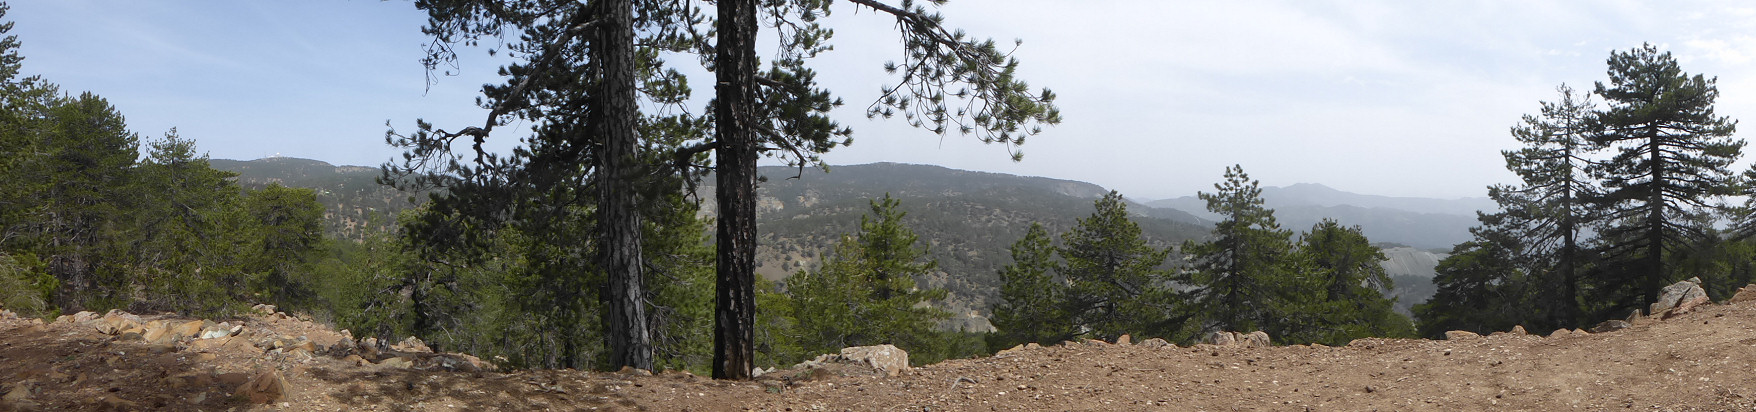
[967, 219]
[354, 204]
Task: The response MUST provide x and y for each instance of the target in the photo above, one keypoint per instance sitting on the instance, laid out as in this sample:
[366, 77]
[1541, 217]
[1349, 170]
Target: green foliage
[1328, 288]
[777, 345]
[864, 293]
[1114, 284]
[289, 226]
[1339, 294]
[1650, 205]
[526, 290]
[1483, 288]
[83, 217]
[1033, 304]
[24, 287]
[1106, 283]
[1551, 207]
[187, 241]
[680, 282]
[1242, 273]
[1672, 154]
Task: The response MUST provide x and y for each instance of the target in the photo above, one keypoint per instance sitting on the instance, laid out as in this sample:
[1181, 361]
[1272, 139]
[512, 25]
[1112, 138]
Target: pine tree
[948, 82]
[581, 72]
[1115, 286]
[1483, 287]
[1670, 165]
[288, 223]
[778, 110]
[1240, 275]
[1033, 302]
[865, 292]
[89, 155]
[1340, 292]
[1550, 208]
[182, 231]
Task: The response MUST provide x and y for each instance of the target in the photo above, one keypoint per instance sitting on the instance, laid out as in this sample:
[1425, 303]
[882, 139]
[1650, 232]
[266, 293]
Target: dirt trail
[1702, 360]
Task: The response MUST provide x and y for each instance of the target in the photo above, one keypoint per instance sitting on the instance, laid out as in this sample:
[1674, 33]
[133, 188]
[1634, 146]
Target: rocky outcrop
[1461, 335]
[265, 387]
[1257, 339]
[890, 359]
[1679, 298]
[886, 360]
[1745, 294]
[1611, 325]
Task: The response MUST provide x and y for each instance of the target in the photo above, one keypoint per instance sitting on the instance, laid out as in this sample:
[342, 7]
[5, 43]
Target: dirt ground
[1702, 360]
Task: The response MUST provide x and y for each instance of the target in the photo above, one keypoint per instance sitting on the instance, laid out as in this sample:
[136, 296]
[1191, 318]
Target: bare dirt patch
[1701, 360]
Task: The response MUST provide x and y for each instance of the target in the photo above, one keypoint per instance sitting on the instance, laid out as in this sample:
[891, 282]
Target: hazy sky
[1401, 98]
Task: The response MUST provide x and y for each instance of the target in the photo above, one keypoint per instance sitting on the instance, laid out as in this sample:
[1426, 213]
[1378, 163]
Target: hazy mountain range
[967, 219]
[1420, 222]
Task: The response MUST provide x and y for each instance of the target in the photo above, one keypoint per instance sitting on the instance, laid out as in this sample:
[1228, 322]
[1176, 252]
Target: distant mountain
[967, 219]
[1421, 222]
[355, 205]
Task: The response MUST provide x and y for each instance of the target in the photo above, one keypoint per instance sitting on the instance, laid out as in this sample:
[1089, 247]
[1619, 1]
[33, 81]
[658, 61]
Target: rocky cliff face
[1408, 261]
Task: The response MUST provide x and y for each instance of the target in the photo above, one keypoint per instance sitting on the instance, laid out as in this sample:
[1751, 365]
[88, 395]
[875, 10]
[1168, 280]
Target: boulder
[19, 394]
[1221, 338]
[397, 362]
[113, 324]
[186, 330]
[1688, 303]
[157, 332]
[890, 359]
[84, 316]
[1611, 325]
[1124, 340]
[265, 387]
[1011, 351]
[1744, 294]
[1155, 343]
[1461, 335]
[1257, 339]
[264, 309]
[1634, 315]
[1519, 330]
[1677, 295]
[411, 344]
[221, 330]
[117, 403]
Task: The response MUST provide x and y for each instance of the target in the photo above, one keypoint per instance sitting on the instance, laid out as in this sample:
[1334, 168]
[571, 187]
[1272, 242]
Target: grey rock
[1688, 291]
[1611, 325]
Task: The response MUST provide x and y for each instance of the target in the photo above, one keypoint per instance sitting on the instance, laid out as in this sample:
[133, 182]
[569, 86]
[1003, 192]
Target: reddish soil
[1702, 360]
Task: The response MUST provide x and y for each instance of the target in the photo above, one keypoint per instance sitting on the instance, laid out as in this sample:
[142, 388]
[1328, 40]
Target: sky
[1391, 97]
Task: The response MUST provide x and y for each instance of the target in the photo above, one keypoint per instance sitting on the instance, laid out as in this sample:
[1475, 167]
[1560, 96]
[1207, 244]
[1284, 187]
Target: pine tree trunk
[613, 121]
[1655, 221]
[735, 174]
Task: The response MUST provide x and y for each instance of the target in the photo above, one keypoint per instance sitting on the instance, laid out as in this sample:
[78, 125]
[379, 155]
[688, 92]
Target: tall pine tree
[1240, 274]
[865, 292]
[1033, 298]
[1551, 209]
[1669, 169]
[1115, 286]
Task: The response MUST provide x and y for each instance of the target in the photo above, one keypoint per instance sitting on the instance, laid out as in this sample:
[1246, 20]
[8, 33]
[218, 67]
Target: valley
[967, 219]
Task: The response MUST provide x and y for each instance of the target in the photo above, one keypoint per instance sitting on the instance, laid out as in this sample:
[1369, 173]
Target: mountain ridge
[1428, 223]
[965, 219]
